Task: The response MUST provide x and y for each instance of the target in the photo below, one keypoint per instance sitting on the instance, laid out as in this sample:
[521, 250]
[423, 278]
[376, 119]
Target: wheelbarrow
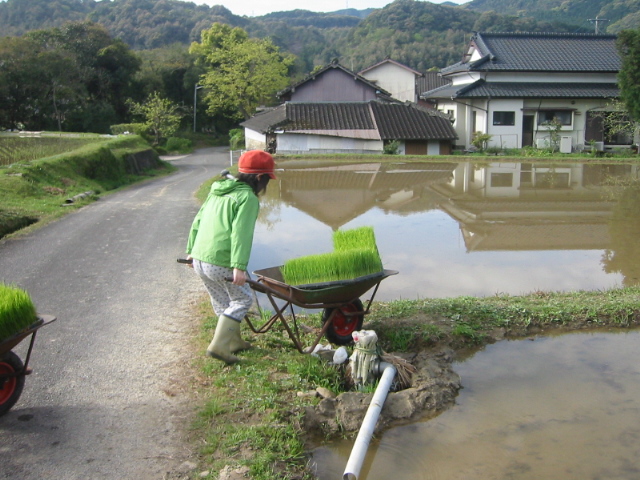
[343, 311]
[12, 370]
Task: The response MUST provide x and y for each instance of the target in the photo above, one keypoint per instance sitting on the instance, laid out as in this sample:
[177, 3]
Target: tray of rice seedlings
[355, 238]
[348, 272]
[331, 267]
[17, 312]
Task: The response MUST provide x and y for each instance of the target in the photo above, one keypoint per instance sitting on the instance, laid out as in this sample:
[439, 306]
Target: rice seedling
[355, 255]
[356, 238]
[17, 311]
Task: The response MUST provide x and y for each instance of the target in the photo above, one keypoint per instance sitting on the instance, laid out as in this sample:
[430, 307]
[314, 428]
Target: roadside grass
[35, 192]
[253, 414]
[21, 148]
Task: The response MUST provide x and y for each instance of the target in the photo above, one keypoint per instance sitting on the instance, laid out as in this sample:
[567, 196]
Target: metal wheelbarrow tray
[343, 311]
[12, 370]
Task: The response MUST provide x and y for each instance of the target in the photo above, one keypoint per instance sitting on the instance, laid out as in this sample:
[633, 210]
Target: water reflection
[464, 228]
[556, 408]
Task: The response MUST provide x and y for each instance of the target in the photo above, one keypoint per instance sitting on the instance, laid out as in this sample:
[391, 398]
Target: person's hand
[239, 277]
[190, 264]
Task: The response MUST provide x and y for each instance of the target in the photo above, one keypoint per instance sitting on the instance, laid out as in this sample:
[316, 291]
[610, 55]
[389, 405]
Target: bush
[178, 145]
[236, 138]
[123, 128]
[480, 140]
[391, 148]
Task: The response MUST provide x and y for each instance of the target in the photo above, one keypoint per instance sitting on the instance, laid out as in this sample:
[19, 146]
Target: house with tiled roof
[350, 127]
[333, 83]
[518, 87]
[396, 78]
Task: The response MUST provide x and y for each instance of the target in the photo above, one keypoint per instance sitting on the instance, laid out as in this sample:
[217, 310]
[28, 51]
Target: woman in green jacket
[220, 245]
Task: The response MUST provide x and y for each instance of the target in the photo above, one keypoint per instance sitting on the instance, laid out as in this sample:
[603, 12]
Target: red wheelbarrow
[12, 370]
[343, 311]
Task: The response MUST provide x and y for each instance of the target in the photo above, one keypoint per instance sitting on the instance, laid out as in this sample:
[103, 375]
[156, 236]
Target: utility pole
[597, 21]
[195, 100]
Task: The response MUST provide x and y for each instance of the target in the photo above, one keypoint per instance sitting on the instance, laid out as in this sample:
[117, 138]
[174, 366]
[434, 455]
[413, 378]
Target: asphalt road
[108, 397]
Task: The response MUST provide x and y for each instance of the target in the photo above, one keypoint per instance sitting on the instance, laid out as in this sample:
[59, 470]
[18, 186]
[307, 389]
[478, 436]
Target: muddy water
[455, 229]
[565, 407]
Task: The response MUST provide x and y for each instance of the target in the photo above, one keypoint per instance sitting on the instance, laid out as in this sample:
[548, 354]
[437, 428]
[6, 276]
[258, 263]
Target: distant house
[398, 79]
[350, 127]
[402, 82]
[333, 83]
[514, 86]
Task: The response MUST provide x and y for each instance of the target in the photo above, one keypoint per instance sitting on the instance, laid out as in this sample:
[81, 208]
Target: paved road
[106, 399]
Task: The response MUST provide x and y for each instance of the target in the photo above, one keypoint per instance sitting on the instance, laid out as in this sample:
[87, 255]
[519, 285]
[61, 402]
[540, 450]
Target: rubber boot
[237, 344]
[227, 330]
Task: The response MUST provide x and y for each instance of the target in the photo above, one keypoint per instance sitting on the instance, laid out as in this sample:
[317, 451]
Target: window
[547, 116]
[504, 118]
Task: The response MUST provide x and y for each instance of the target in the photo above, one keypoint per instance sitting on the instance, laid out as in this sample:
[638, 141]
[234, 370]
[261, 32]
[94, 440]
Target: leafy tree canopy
[629, 76]
[241, 73]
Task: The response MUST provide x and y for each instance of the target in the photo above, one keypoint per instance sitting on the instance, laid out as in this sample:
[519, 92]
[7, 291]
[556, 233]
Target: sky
[255, 8]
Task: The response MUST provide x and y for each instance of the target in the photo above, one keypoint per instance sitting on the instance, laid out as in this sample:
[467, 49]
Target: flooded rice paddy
[562, 407]
[454, 229]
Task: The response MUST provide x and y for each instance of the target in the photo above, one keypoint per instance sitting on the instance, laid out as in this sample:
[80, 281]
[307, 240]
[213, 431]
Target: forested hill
[418, 33]
[614, 15]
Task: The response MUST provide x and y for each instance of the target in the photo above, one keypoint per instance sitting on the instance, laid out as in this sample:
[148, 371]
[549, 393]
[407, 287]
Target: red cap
[256, 161]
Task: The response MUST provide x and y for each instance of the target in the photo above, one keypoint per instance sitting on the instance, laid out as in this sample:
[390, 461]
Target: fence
[234, 155]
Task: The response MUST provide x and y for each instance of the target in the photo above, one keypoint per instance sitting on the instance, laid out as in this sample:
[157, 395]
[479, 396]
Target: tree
[241, 72]
[161, 116]
[629, 76]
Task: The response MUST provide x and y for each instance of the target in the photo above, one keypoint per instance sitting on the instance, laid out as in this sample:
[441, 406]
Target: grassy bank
[252, 412]
[37, 190]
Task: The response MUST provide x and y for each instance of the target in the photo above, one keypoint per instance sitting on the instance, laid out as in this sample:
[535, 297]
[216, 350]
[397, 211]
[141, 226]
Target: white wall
[505, 136]
[254, 140]
[398, 81]
[304, 143]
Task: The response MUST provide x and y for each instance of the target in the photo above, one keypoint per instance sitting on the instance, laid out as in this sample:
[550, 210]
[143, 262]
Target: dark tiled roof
[482, 89]
[329, 116]
[429, 81]
[392, 120]
[410, 122]
[333, 65]
[539, 90]
[265, 121]
[549, 52]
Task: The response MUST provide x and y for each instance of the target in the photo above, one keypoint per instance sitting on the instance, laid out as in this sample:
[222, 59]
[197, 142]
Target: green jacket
[222, 231]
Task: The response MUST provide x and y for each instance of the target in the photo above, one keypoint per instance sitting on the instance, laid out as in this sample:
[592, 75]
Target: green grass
[16, 149]
[35, 192]
[17, 311]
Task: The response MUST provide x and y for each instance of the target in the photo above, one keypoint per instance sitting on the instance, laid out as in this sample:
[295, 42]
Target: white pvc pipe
[361, 445]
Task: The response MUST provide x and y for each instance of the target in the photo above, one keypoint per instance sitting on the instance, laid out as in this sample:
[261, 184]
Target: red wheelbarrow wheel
[342, 326]
[10, 387]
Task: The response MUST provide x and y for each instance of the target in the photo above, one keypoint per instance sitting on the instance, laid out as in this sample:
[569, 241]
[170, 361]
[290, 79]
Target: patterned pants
[227, 299]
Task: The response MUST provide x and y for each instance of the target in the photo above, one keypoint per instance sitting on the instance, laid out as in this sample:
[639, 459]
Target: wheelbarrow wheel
[342, 326]
[10, 387]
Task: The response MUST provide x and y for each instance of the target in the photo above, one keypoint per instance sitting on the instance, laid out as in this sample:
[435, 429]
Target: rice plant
[17, 311]
[356, 238]
[355, 254]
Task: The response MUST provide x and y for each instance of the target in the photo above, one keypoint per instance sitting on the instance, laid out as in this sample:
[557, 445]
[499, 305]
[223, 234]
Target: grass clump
[355, 254]
[17, 311]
